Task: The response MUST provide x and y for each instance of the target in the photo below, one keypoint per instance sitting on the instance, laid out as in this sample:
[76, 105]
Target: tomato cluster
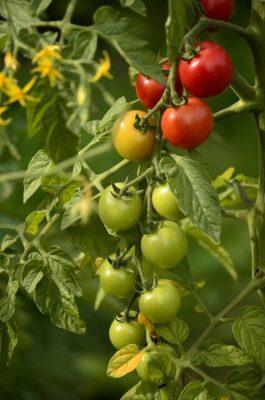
[138, 273]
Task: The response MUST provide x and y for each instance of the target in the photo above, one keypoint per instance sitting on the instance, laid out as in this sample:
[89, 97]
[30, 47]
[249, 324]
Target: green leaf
[112, 114]
[143, 391]
[124, 361]
[249, 332]
[243, 380]
[120, 33]
[92, 239]
[8, 342]
[83, 44]
[7, 242]
[136, 5]
[215, 249]
[32, 273]
[48, 117]
[216, 354]
[179, 14]
[177, 331]
[20, 11]
[55, 291]
[7, 303]
[40, 5]
[197, 198]
[100, 296]
[33, 221]
[39, 164]
[192, 391]
[160, 368]
[69, 218]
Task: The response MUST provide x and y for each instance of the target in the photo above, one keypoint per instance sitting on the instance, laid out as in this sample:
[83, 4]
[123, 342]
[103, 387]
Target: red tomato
[189, 125]
[149, 92]
[218, 9]
[209, 72]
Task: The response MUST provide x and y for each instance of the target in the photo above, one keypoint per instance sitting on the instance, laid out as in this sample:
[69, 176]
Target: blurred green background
[51, 364]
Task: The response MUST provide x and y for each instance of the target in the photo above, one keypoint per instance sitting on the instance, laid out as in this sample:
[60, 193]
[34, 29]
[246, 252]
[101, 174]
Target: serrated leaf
[39, 6]
[192, 391]
[249, 332]
[7, 242]
[143, 391]
[243, 380]
[84, 44]
[216, 354]
[177, 331]
[8, 342]
[197, 198]
[55, 291]
[39, 164]
[33, 221]
[92, 239]
[215, 249]
[7, 303]
[136, 5]
[32, 273]
[111, 115]
[20, 12]
[69, 218]
[124, 361]
[120, 32]
[48, 118]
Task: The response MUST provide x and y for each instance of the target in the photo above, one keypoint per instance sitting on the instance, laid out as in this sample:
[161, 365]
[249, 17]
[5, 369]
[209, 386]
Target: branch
[205, 23]
[240, 107]
[241, 87]
[255, 284]
[237, 214]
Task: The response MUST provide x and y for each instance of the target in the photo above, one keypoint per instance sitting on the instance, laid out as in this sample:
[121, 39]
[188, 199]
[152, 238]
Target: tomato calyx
[143, 125]
[191, 51]
[122, 259]
[126, 316]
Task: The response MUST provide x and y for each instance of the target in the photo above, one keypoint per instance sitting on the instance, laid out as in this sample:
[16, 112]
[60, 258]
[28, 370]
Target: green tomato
[119, 214]
[156, 368]
[117, 282]
[123, 333]
[165, 247]
[165, 203]
[161, 304]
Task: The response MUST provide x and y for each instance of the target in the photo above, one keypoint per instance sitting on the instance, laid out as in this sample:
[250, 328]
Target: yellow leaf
[124, 361]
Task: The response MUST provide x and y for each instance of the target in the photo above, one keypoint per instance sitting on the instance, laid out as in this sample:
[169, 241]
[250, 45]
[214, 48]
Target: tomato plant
[124, 245]
[209, 72]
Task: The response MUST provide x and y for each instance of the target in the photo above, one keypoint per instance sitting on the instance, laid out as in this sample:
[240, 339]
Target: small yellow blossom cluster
[46, 63]
[104, 66]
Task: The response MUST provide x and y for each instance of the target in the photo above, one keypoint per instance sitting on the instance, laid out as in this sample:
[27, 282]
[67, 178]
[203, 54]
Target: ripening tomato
[189, 125]
[117, 282]
[130, 142]
[165, 202]
[165, 247]
[123, 333]
[119, 214]
[149, 91]
[209, 72]
[161, 304]
[218, 9]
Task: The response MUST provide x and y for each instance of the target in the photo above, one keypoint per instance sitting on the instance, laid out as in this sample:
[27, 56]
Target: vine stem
[201, 303]
[67, 18]
[255, 284]
[138, 179]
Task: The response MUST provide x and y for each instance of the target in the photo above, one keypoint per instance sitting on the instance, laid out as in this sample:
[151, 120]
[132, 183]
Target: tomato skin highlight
[123, 333]
[218, 9]
[161, 304]
[149, 92]
[165, 203]
[165, 247]
[119, 214]
[129, 142]
[189, 125]
[117, 282]
[209, 72]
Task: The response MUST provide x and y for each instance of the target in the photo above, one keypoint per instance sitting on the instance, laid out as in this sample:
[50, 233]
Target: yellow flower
[103, 68]
[46, 70]
[4, 121]
[10, 61]
[15, 93]
[51, 51]
[5, 81]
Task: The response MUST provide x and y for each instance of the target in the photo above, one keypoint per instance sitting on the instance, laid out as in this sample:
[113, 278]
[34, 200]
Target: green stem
[138, 179]
[201, 303]
[255, 284]
[240, 107]
[242, 87]
[209, 379]
[237, 214]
